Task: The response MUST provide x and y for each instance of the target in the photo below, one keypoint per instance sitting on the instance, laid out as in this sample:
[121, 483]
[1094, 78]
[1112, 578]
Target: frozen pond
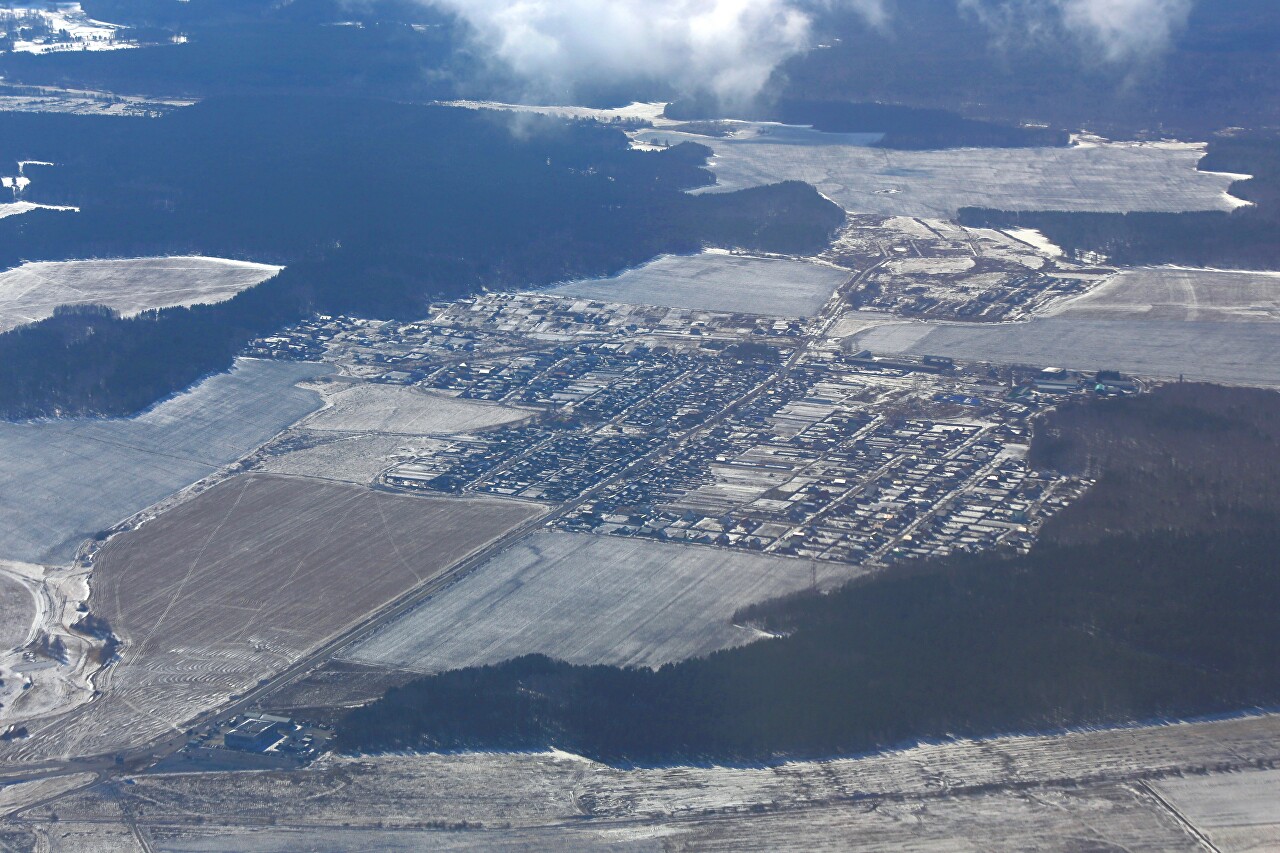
[1112, 177]
[1243, 353]
[715, 281]
[61, 481]
[31, 292]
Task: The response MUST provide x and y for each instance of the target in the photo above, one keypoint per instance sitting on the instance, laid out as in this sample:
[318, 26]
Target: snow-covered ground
[1102, 176]
[1233, 353]
[61, 481]
[230, 586]
[13, 208]
[717, 281]
[1180, 293]
[1034, 238]
[1075, 792]
[592, 600]
[1238, 812]
[343, 457]
[28, 25]
[394, 409]
[31, 292]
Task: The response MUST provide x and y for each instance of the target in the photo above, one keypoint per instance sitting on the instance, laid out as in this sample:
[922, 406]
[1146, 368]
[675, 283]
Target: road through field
[238, 583]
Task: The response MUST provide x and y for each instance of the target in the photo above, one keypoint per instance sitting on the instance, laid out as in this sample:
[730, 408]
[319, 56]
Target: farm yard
[1239, 353]
[1172, 293]
[715, 281]
[235, 584]
[30, 292]
[61, 481]
[1112, 177]
[394, 409]
[591, 600]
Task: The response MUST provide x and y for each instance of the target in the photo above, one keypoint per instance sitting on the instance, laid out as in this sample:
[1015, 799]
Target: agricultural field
[62, 481]
[340, 456]
[1094, 176]
[31, 292]
[1100, 819]
[1077, 791]
[237, 583]
[1240, 353]
[591, 600]
[1237, 812]
[1173, 293]
[397, 410]
[17, 613]
[715, 281]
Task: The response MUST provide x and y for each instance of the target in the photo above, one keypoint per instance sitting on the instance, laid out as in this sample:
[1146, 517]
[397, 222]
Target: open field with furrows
[591, 600]
[1237, 812]
[62, 481]
[1171, 294]
[1241, 353]
[1094, 177]
[407, 411]
[17, 613]
[235, 584]
[715, 281]
[31, 292]
[1071, 792]
[340, 456]
[1094, 820]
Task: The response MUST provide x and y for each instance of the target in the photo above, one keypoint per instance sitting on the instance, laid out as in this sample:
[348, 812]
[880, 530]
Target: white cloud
[1126, 29]
[727, 47]
[731, 47]
[1116, 30]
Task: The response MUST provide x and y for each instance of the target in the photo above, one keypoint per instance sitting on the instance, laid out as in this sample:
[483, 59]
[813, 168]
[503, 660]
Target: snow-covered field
[82, 32]
[399, 410]
[1094, 177]
[233, 585]
[715, 281]
[61, 481]
[1075, 792]
[341, 457]
[1242, 353]
[1177, 293]
[588, 600]
[31, 292]
[17, 613]
[929, 266]
[1111, 819]
[1239, 812]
